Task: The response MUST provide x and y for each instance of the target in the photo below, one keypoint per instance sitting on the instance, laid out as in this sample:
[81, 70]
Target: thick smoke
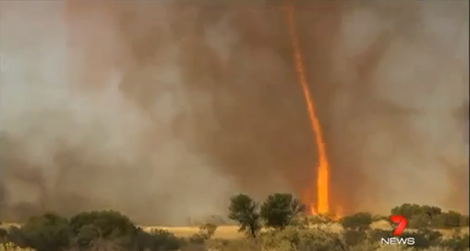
[164, 109]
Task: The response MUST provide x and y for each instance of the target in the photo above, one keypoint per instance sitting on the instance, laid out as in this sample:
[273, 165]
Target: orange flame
[323, 167]
[312, 210]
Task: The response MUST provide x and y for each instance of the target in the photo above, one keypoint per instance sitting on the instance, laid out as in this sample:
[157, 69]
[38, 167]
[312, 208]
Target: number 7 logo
[401, 223]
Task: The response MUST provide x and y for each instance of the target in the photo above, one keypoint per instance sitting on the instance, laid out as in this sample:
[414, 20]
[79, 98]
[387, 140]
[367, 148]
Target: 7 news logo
[401, 223]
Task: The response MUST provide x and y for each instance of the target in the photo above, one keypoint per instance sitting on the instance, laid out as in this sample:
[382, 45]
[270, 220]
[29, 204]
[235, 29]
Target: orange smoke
[323, 167]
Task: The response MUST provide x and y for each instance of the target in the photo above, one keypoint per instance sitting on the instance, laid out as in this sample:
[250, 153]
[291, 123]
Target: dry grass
[230, 232]
[223, 232]
[7, 225]
[15, 249]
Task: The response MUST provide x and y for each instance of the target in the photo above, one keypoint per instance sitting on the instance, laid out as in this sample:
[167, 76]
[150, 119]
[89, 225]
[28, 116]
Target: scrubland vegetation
[277, 224]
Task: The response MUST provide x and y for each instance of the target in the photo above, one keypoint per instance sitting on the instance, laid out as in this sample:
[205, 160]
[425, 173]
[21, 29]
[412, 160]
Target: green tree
[279, 209]
[245, 211]
[48, 232]
[420, 213]
[453, 219]
[407, 210]
[450, 219]
[419, 221]
[464, 221]
[105, 224]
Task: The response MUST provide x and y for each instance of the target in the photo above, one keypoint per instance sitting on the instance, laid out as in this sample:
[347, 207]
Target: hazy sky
[162, 110]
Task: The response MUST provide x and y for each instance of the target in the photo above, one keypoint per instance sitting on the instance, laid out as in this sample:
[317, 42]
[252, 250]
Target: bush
[357, 222]
[319, 220]
[449, 220]
[422, 216]
[456, 243]
[3, 235]
[16, 237]
[248, 244]
[425, 238]
[207, 230]
[155, 240]
[105, 224]
[48, 232]
[292, 239]
[354, 237]
[410, 210]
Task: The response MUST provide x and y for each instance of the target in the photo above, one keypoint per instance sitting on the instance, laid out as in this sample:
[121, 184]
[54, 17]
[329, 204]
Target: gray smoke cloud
[162, 110]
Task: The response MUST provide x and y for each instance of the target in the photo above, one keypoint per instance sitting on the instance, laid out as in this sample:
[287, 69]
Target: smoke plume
[162, 110]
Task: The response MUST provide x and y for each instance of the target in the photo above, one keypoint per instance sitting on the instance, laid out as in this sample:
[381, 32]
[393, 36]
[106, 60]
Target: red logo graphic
[401, 224]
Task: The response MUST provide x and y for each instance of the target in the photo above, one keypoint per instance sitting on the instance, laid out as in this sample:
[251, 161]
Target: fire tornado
[323, 166]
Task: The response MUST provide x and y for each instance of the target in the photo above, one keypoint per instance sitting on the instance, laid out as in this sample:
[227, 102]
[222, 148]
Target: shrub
[450, 219]
[424, 238]
[248, 244]
[319, 220]
[3, 235]
[48, 232]
[357, 222]
[207, 230]
[107, 224]
[374, 235]
[410, 210]
[354, 237]
[156, 240]
[456, 243]
[422, 216]
[292, 239]
[87, 235]
[16, 237]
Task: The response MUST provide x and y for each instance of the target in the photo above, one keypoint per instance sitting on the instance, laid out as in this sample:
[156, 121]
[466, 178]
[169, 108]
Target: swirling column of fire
[323, 166]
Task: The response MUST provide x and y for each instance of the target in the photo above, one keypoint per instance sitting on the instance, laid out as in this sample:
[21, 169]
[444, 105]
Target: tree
[48, 232]
[244, 210]
[453, 219]
[102, 224]
[419, 221]
[418, 215]
[279, 209]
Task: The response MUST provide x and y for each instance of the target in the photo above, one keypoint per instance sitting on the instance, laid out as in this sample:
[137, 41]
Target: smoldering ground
[164, 109]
